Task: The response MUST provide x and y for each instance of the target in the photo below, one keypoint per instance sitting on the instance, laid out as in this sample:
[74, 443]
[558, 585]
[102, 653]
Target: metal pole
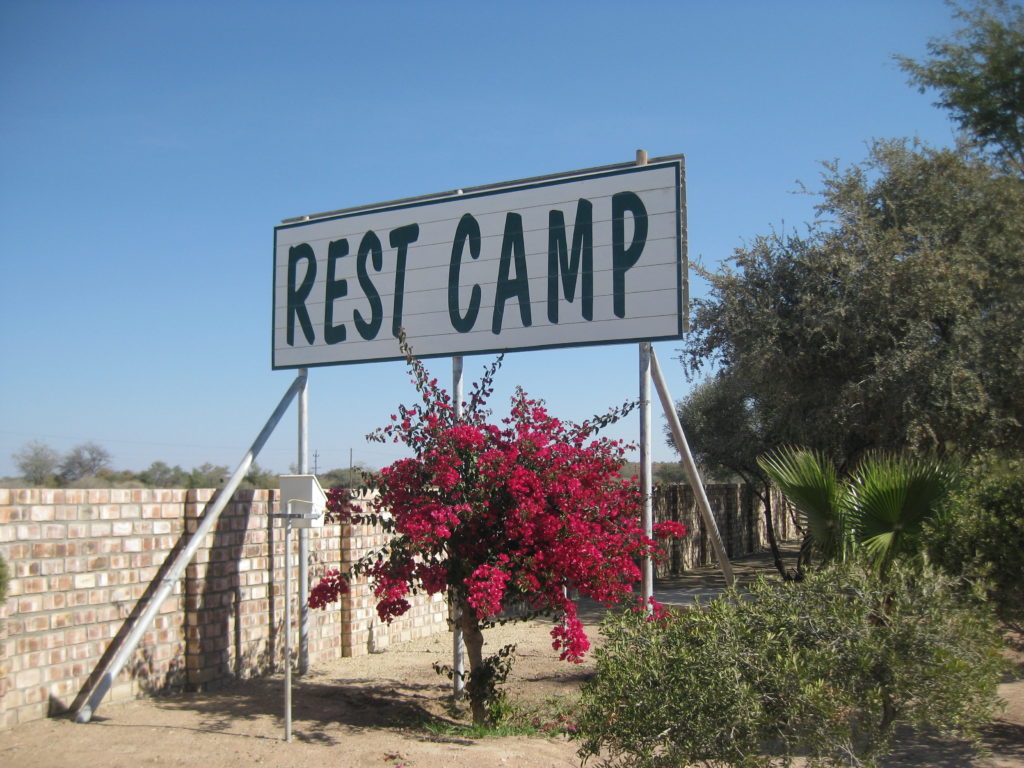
[647, 566]
[288, 624]
[304, 422]
[647, 519]
[691, 469]
[458, 644]
[304, 532]
[210, 517]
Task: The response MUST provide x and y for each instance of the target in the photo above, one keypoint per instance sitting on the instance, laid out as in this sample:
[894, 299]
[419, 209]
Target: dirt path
[377, 710]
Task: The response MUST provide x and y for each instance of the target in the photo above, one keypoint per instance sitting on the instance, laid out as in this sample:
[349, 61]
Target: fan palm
[810, 483]
[894, 496]
[881, 508]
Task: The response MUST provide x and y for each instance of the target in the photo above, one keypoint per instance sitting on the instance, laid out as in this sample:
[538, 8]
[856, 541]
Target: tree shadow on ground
[322, 711]
[1000, 737]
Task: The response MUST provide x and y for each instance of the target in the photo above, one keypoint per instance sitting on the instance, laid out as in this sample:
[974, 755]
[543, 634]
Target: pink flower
[526, 506]
[570, 638]
[669, 529]
[434, 578]
[486, 589]
[331, 587]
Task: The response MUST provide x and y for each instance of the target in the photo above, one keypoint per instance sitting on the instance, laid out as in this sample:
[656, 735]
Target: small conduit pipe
[691, 469]
[131, 641]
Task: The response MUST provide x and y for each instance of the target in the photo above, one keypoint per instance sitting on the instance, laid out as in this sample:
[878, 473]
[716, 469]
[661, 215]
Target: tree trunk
[476, 686]
[769, 528]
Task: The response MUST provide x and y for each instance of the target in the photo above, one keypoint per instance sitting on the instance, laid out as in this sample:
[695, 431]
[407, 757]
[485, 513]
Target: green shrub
[880, 510]
[3, 579]
[825, 668]
[981, 534]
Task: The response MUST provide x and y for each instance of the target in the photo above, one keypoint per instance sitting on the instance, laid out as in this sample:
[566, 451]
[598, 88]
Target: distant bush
[825, 668]
[3, 579]
[981, 534]
[347, 477]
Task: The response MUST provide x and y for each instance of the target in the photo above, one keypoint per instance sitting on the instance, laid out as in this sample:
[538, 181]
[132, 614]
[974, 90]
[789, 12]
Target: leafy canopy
[893, 322]
[979, 76]
[980, 534]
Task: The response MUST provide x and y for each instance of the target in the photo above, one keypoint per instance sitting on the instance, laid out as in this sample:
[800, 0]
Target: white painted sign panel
[590, 257]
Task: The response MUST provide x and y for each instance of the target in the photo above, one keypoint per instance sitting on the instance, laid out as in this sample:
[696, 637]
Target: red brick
[30, 604]
[41, 513]
[75, 636]
[44, 549]
[28, 531]
[60, 582]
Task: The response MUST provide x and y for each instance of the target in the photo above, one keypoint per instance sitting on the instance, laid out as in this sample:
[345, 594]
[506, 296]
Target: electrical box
[305, 497]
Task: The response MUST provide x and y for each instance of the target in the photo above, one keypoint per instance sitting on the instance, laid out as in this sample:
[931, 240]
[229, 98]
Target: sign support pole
[304, 532]
[287, 622]
[458, 644]
[668, 404]
[170, 578]
[647, 566]
[647, 520]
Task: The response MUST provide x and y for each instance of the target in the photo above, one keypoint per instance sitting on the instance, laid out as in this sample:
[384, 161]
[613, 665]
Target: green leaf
[809, 481]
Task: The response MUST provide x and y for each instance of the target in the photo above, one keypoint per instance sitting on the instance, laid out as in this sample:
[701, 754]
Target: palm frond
[809, 481]
[894, 495]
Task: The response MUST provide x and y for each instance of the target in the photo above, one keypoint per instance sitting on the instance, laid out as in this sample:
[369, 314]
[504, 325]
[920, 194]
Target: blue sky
[148, 149]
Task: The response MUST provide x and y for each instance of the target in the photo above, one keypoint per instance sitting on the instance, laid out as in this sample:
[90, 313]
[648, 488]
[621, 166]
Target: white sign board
[591, 257]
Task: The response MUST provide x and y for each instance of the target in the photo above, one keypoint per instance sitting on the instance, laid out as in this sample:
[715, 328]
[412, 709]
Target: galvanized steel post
[304, 532]
[170, 579]
[287, 622]
[647, 518]
[691, 470]
[458, 645]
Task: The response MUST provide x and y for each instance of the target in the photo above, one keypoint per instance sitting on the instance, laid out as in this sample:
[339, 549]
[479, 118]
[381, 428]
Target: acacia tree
[893, 322]
[160, 475]
[84, 460]
[979, 76]
[37, 462]
[500, 516]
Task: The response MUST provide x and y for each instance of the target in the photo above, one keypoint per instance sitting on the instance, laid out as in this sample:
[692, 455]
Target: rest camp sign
[589, 257]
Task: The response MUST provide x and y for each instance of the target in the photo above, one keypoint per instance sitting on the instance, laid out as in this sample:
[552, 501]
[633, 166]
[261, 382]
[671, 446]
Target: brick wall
[80, 560]
[427, 616]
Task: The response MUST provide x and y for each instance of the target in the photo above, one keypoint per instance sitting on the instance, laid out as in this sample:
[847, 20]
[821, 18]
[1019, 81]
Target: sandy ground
[385, 710]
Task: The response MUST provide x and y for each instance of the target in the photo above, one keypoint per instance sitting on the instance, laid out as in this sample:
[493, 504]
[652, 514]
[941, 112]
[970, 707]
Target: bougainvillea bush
[520, 513]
